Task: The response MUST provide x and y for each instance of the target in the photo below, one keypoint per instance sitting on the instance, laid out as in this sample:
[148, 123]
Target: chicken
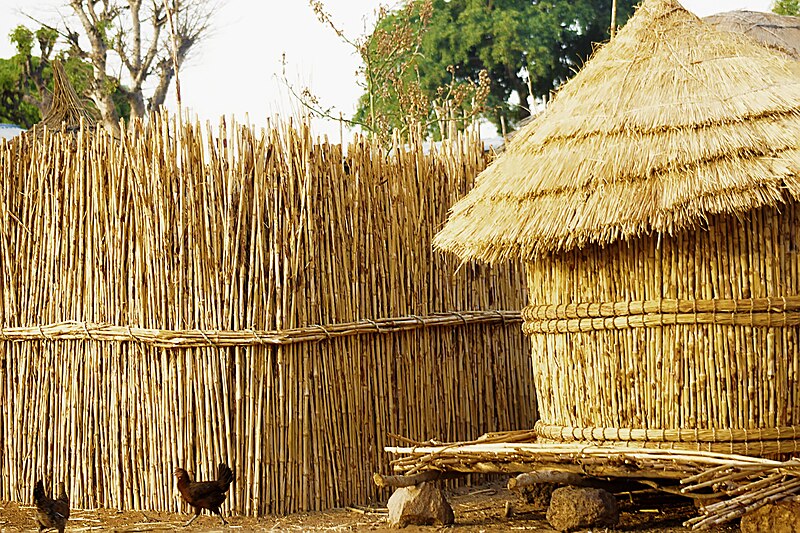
[205, 494]
[49, 512]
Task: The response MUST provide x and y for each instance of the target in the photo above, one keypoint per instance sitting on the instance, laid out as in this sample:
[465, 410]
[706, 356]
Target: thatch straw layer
[700, 330]
[669, 123]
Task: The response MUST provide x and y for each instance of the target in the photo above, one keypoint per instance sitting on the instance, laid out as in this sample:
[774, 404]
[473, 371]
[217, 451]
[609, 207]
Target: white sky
[236, 71]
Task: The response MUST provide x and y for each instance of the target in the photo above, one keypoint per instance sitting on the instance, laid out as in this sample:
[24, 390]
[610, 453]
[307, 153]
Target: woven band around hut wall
[675, 435]
[584, 317]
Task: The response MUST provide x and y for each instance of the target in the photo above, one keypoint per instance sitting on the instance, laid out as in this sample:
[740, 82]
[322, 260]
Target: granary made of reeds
[656, 205]
[180, 297]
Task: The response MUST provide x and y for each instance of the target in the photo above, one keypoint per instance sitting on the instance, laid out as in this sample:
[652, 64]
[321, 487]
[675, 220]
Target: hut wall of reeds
[177, 297]
[690, 341]
[655, 203]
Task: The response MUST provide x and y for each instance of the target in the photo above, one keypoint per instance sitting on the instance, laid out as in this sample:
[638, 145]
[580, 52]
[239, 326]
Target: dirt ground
[477, 509]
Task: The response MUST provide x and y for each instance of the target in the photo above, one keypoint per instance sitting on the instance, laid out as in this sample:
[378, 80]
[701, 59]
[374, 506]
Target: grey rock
[574, 508]
[781, 517]
[420, 505]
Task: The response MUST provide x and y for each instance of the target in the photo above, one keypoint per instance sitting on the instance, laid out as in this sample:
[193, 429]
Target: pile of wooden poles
[739, 483]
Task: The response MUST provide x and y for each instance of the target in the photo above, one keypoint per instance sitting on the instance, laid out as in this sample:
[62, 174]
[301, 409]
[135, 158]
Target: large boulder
[781, 517]
[574, 508]
[421, 505]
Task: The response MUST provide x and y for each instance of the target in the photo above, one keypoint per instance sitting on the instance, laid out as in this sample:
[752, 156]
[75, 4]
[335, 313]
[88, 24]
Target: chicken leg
[197, 512]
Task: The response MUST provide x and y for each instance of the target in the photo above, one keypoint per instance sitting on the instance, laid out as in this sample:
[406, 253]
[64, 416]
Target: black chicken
[51, 513]
[205, 494]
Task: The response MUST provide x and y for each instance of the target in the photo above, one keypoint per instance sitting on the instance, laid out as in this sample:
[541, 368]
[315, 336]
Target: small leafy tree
[393, 99]
[786, 7]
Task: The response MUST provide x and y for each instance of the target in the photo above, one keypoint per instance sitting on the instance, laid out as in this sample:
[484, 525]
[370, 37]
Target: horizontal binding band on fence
[639, 435]
[192, 338]
[584, 317]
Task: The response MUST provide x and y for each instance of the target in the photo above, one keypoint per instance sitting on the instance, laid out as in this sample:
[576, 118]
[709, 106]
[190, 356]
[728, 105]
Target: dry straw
[667, 124]
[66, 111]
[245, 296]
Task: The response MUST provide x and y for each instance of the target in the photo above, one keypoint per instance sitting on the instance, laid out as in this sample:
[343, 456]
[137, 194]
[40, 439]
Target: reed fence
[185, 295]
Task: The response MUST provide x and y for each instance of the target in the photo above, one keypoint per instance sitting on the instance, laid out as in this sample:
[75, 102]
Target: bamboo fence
[182, 296]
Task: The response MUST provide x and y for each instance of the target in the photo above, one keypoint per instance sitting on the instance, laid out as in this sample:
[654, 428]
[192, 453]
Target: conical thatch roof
[66, 108]
[668, 123]
[779, 32]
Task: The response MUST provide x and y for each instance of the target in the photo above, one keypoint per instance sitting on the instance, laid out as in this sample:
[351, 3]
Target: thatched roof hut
[779, 32]
[655, 203]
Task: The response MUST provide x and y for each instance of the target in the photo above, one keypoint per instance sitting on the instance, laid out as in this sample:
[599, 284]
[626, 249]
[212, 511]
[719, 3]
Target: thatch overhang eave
[493, 230]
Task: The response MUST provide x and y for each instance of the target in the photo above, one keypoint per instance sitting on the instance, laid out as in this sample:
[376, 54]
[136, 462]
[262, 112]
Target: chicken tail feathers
[63, 496]
[61, 505]
[224, 474]
[38, 492]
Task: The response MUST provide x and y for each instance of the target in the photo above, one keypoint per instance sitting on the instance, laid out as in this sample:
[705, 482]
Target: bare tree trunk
[134, 33]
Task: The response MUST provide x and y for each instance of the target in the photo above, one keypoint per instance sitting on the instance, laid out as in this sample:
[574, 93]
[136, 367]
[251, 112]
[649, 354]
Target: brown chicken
[205, 494]
[51, 513]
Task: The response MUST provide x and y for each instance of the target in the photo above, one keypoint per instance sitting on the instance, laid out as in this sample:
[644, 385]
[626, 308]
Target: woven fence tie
[86, 329]
[463, 319]
[325, 330]
[208, 340]
[374, 324]
[502, 317]
[418, 319]
[628, 314]
[131, 334]
[42, 333]
[769, 311]
[783, 313]
[259, 339]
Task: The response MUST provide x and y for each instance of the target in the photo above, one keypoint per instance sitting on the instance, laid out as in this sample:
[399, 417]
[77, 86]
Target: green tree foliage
[26, 78]
[13, 106]
[786, 7]
[393, 99]
[525, 46]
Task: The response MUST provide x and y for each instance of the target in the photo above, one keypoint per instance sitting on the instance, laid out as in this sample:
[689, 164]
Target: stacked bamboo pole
[736, 484]
[256, 297]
